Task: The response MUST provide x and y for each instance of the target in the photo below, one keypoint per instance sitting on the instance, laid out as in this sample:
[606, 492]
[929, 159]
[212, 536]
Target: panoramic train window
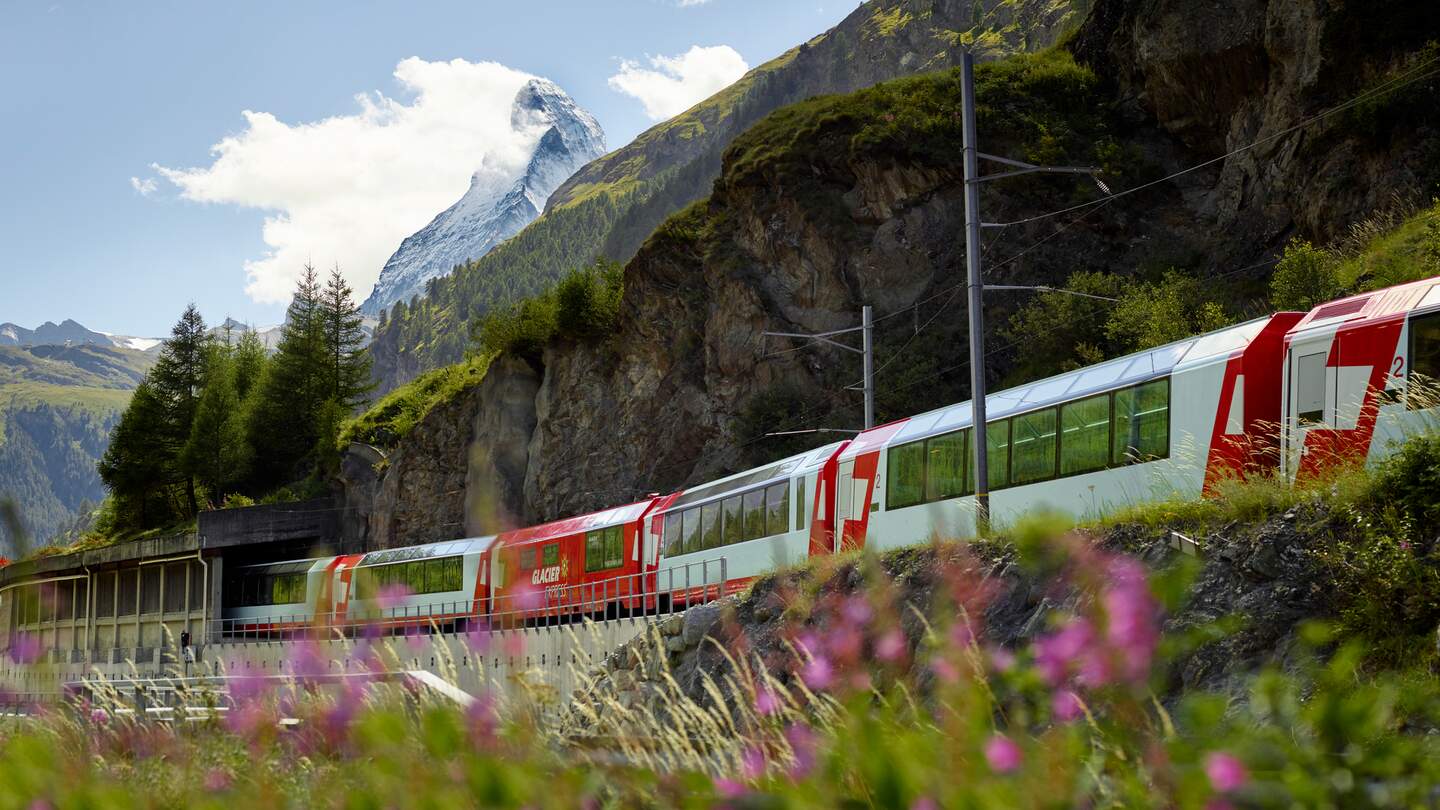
[1142, 422]
[674, 540]
[945, 466]
[1423, 390]
[997, 456]
[905, 476]
[550, 555]
[1032, 447]
[777, 508]
[710, 525]
[691, 531]
[527, 557]
[754, 514]
[732, 530]
[1085, 435]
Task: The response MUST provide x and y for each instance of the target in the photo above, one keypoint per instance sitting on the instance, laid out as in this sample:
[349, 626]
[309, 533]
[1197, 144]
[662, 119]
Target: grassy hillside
[58, 405]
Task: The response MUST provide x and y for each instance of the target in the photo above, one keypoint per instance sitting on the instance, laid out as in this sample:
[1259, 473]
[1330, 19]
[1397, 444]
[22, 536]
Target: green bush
[1305, 277]
[584, 305]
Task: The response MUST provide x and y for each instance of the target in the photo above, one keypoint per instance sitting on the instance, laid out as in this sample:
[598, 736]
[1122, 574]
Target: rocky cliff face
[1220, 76]
[839, 202]
[613, 204]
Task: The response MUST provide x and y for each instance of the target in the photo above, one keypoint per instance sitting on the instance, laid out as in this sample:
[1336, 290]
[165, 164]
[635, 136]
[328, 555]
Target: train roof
[1131, 369]
[780, 470]
[285, 566]
[1374, 305]
[576, 525]
[447, 548]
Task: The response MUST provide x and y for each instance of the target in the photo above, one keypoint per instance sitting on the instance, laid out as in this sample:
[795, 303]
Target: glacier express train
[1293, 393]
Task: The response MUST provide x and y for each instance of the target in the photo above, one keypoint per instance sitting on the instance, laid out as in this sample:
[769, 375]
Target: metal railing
[615, 597]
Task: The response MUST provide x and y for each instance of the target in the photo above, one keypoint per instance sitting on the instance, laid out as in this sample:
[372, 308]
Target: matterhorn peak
[498, 203]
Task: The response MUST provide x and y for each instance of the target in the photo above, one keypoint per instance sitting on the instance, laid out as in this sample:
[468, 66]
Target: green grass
[1385, 256]
[395, 415]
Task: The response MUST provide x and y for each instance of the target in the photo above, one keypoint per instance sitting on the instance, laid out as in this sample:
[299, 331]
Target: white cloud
[672, 84]
[347, 189]
[144, 187]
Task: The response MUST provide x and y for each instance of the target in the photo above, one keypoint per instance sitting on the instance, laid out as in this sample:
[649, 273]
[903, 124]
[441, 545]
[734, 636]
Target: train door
[1311, 401]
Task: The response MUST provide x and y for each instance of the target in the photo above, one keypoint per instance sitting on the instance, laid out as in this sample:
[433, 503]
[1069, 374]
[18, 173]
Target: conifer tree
[177, 377]
[283, 422]
[217, 451]
[349, 363]
[131, 466]
[250, 359]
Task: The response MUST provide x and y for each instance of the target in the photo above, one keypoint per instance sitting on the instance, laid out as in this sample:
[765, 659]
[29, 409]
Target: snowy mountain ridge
[499, 203]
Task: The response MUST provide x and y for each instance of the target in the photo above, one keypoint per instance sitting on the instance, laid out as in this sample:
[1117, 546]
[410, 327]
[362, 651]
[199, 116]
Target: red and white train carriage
[1291, 392]
[1361, 374]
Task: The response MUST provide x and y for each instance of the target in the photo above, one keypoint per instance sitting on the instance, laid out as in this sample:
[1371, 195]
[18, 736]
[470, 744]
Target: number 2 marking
[1399, 369]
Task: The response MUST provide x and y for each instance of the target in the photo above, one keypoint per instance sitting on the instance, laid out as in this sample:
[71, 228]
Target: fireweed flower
[766, 701]
[25, 648]
[483, 720]
[217, 780]
[803, 745]
[924, 803]
[1001, 659]
[1058, 652]
[1065, 706]
[752, 763]
[944, 669]
[818, 674]
[1225, 771]
[890, 647]
[1002, 754]
[99, 717]
[857, 610]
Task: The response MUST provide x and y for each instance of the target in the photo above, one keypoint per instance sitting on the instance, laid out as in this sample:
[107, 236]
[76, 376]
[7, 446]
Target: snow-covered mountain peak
[500, 201]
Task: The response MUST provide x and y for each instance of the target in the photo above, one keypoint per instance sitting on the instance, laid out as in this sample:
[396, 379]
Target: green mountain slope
[57, 407]
[613, 204]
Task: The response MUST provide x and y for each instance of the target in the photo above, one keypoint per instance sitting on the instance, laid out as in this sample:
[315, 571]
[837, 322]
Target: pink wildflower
[924, 803]
[1002, 754]
[1225, 771]
[944, 670]
[729, 788]
[1065, 706]
[25, 648]
[766, 701]
[392, 597]
[857, 610]
[1002, 659]
[802, 744]
[217, 780]
[845, 644]
[99, 717]
[752, 763]
[962, 635]
[891, 647]
[818, 674]
[1057, 652]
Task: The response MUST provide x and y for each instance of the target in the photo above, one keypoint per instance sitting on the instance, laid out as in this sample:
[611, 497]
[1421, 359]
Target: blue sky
[102, 92]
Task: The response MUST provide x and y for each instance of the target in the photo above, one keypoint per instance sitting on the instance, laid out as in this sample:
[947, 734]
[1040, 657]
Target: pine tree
[217, 451]
[283, 423]
[177, 377]
[349, 363]
[250, 359]
[131, 467]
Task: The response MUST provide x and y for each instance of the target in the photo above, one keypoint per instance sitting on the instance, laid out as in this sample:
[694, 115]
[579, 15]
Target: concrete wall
[549, 660]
